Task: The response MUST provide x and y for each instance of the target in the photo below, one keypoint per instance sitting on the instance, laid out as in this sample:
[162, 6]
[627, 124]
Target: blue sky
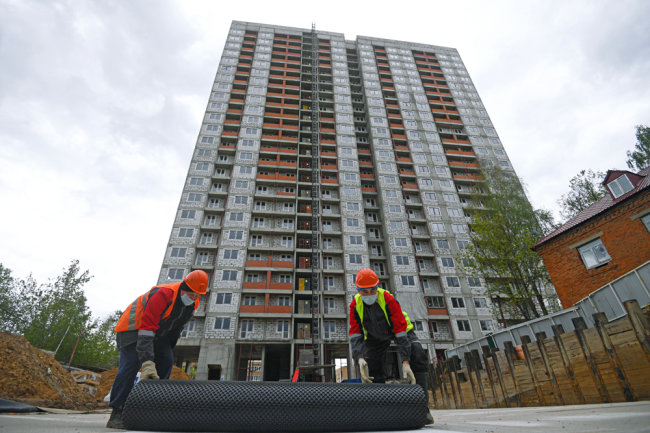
[101, 103]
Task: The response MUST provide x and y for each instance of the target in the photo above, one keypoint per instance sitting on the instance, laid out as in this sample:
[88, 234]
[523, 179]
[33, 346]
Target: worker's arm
[399, 326]
[150, 322]
[356, 333]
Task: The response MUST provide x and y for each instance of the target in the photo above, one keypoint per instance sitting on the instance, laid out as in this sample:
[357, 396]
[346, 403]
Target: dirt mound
[108, 377]
[31, 376]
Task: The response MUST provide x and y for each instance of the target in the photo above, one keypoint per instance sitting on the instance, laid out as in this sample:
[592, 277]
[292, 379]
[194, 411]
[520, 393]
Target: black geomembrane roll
[217, 406]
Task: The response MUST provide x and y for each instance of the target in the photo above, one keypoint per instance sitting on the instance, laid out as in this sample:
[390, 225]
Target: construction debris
[31, 376]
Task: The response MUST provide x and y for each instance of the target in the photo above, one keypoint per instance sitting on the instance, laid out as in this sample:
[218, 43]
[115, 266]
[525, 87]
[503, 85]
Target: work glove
[365, 373]
[407, 373]
[149, 371]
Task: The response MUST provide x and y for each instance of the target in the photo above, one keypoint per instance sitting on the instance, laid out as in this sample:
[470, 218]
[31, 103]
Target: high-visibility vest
[132, 317]
[382, 303]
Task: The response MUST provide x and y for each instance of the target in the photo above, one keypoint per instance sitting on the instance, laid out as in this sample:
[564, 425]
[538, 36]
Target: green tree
[640, 158]
[502, 232]
[9, 319]
[97, 344]
[584, 189]
[57, 312]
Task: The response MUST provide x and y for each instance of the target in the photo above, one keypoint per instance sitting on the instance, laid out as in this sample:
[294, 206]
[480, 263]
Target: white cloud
[101, 103]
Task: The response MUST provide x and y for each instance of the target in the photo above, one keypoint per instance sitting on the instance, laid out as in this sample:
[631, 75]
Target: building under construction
[319, 156]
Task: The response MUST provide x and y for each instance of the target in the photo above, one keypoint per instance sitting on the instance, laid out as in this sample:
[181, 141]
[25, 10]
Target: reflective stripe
[401, 334]
[132, 310]
[355, 336]
[146, 333]
[149, 294]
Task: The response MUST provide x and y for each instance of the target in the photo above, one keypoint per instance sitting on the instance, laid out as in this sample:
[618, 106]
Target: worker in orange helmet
[148, 331]
[376, 318]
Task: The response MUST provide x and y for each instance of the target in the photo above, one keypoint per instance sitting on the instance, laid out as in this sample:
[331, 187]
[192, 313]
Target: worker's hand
[407, 373]
[365, 373]
[149, 371]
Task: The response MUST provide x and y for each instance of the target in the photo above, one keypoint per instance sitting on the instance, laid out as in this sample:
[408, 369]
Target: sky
[101, 104]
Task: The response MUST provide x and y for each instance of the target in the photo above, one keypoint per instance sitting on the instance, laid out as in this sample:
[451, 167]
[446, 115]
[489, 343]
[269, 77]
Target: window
[463, 325]
[486, 325]
[221, 323]
[328, 306]
[454, 212]
[236, 235]
[433, 211]
[396, 225]
[185, 233]
[352, 222]
[453, 282]
[442, 243]
[329, 328]
[353, 206]
[447, 262]
[594, 254]
[356, 259]
[256, 240]
[230, 254]
[287, 241]
[237, 216]
[196, 181]
[246, 155]
[430, 196]
[458, 228]
[474, 281]
[229, 275]
[188, 214]
[244, 169]
[480, 303]
[356, 240]
[435, 301]
[178, 252]
[285, 278]
[457, 302]
[408, 280]
[193, 197]
[645, 219]
[328, 283]
[249, 300]
[202, 166]
[438, 227]
[400, 242]
[402, 260]
[283, 328]
[241, 184]
[462, 244]
[223, 298]
[620, 186]
[246, 327]
[175, 274]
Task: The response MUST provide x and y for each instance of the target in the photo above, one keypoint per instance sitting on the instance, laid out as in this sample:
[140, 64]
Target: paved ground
[617, 417]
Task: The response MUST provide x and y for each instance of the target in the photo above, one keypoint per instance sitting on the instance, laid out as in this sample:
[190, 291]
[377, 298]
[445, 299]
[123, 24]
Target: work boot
[429, 418]
[115, 421]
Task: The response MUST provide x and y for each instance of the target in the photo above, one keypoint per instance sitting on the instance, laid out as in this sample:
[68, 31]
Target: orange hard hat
[366, 278]
[197, 281]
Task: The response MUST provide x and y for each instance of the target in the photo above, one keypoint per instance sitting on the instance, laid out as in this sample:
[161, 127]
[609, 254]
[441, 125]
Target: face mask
[186, 300]
[369, 299]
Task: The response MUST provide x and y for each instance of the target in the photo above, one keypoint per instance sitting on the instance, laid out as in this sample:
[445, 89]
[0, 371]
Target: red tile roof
[641, 181]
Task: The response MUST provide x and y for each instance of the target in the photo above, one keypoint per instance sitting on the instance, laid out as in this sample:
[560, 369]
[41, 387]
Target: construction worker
[148, 331]
[376, 318]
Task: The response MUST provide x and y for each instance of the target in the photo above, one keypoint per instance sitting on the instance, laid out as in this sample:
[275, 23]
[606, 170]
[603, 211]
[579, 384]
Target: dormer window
[620, 186]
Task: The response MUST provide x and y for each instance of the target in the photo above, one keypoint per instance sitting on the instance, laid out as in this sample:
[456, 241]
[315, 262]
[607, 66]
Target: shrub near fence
[607, 363]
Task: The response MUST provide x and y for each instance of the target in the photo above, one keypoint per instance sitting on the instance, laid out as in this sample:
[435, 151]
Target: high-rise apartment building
[319, 156]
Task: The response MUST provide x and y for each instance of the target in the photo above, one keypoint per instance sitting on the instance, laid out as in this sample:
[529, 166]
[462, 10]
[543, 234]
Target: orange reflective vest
[132, 316]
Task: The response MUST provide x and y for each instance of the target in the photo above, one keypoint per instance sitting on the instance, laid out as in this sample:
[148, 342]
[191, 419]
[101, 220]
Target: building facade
[603, 242]
[319, 156]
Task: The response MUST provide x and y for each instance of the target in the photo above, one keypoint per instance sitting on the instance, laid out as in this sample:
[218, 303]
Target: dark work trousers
[130, 365]
[375, 356]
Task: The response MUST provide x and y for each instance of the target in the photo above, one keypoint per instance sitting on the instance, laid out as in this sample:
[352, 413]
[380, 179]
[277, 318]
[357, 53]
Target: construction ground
[631, 417]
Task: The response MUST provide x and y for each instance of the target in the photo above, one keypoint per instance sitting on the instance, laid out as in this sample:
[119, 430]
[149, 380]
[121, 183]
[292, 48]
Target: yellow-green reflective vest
[382, 303]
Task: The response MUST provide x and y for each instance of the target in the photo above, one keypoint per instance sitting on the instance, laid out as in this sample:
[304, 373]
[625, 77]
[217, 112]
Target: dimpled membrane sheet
[218, 406]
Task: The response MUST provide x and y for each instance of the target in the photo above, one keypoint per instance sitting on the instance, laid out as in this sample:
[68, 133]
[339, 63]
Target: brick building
[605, 241]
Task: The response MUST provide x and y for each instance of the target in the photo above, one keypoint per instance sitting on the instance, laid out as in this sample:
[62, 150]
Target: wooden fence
[607, 363]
